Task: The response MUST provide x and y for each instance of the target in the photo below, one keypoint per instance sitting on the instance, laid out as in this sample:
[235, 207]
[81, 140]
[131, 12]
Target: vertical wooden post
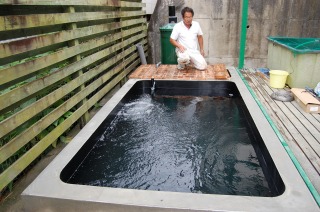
[122, 81]
[85, 118]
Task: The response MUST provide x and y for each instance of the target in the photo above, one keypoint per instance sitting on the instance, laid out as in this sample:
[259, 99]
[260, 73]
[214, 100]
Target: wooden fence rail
[57, 61]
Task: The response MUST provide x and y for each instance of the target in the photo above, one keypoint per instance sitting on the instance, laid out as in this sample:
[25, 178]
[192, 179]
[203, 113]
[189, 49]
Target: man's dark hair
[187, 9]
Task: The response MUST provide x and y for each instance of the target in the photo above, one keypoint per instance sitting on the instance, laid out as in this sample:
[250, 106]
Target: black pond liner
[223, 153]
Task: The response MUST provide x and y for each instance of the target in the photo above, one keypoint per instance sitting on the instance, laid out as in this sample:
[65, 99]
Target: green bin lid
[167, 27]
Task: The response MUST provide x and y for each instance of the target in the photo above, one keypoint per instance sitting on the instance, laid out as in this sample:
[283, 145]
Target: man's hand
[181, 48]
[202, 52]
[177, 45]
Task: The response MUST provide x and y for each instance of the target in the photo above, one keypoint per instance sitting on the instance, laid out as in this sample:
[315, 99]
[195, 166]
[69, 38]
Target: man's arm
[200, 40]
[177, 45]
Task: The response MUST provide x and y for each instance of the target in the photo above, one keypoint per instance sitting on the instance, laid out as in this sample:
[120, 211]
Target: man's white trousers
[193, 56]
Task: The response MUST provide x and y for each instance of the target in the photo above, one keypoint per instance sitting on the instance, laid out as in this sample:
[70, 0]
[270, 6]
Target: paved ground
[13, 201]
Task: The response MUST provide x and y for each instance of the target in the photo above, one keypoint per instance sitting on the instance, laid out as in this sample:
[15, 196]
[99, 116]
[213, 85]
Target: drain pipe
[296, 163]
[141, 53]
[244, 22]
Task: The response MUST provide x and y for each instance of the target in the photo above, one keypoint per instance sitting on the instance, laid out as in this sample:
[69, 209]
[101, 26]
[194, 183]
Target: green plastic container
[298, 56]
[168, 53]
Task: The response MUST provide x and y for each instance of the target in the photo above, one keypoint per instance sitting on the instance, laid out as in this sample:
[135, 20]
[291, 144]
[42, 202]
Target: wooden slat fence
[57, 60]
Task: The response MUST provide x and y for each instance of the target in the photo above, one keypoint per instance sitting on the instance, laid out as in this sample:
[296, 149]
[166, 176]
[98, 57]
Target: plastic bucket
[278, 78]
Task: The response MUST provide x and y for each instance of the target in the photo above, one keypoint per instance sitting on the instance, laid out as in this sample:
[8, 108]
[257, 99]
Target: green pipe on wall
[245, 4]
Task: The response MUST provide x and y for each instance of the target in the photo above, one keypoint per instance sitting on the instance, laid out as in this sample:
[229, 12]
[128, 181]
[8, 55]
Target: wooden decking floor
[170, 72]
[300, 130]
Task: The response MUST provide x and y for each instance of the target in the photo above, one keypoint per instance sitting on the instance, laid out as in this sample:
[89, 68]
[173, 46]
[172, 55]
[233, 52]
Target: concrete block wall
[221, 23]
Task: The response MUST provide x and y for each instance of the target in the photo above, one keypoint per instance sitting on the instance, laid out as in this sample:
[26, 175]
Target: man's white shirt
[187, 37]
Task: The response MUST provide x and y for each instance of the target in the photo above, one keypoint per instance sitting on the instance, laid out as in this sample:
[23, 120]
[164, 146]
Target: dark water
[182, 144]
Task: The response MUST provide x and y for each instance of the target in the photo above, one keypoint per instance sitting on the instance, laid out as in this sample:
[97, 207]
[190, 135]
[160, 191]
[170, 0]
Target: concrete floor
[13, 201]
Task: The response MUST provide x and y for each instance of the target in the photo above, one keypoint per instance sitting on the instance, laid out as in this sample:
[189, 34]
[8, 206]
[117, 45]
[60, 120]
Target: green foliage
[29, 123]
[97, 105]
[10, 186]
[63, 139]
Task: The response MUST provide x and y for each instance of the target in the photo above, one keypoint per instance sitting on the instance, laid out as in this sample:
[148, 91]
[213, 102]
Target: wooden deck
[300, 130]
[170, 72]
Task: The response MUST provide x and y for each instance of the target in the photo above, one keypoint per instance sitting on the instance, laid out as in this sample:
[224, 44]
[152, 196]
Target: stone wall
[221, 22]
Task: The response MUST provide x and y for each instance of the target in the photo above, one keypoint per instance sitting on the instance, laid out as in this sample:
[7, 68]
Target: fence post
[72, 26]
[122, 81]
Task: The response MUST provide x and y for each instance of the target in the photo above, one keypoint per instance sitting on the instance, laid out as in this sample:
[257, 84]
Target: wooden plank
[316, 116]
[132, 4]
[19, 118]
[303, 131]
[2, 22]
[73, 26]
[313, 118]
[291, 130]
[18, 46]
[22, 116]
[40, 20]
[298, 146]
[28, 21]
[312, 126]
[31, 88]
[309, 126]
[63, 2]
[37, 85]
[132, 22]
[24, 69]
[303, 127]
[15, 144]
[141, 29]
[35, 42]
[40, 43]
[128, 14]
[16, 168]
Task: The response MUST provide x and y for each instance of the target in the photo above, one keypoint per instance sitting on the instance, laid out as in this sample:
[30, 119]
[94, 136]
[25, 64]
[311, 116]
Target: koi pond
[190, 145]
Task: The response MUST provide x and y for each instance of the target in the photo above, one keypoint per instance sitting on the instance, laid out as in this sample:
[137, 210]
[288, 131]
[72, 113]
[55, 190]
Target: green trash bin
[168, 53]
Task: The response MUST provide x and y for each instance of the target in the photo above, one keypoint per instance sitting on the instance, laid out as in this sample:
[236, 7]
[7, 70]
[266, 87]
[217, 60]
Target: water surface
[181, 144]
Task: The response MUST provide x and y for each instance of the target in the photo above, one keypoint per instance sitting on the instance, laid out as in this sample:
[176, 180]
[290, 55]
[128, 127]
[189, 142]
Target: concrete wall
[159, 18]
[289, 18]
[221, 22]
[150, 5]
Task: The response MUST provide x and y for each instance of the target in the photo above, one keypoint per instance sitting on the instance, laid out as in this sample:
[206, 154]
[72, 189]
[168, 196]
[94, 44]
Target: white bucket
[278, 78]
